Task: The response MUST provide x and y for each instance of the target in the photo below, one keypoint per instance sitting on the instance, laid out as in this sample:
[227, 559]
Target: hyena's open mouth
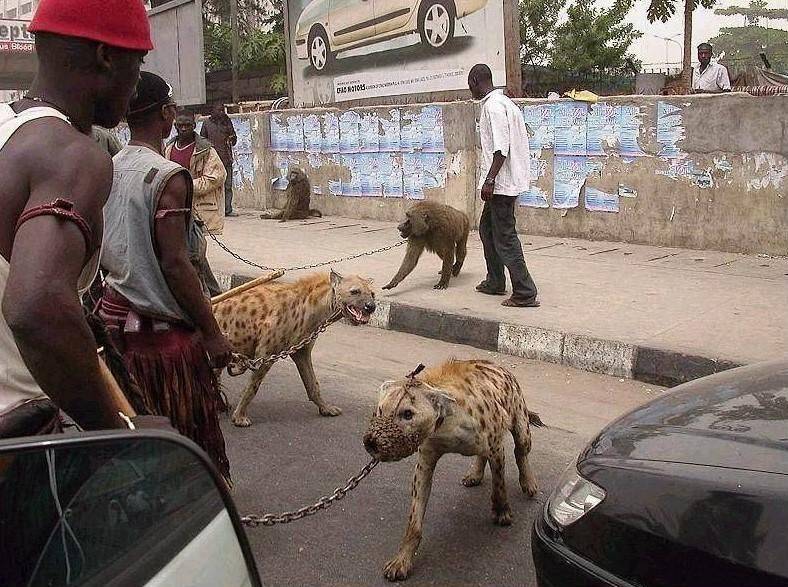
[358, 316]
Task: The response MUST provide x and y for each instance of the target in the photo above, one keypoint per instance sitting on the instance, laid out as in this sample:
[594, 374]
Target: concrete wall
[705, 172]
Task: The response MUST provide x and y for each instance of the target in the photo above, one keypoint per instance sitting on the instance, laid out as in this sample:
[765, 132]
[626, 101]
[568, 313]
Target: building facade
[18, 9]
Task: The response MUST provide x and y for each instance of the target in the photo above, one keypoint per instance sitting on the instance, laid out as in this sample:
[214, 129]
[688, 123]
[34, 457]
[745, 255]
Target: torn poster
[352, 162]
[431, 122]
[570, 129]
[569, 175]
[670, 130]
[390, 132]
[390, 170]
[626, 192]
[599, 201]
[412, 176]
[627, 131]
[295, 133]
[541, 130]
[282, 165]
[313, 138]
[349, 132]
[434, 170]
[600, 128]
[535, 197]
[278, 133]
[369, 131]
[243, 156]
[330, 133]
[410, 131]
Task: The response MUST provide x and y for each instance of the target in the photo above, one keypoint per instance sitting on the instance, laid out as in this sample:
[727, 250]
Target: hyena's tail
[535, 420]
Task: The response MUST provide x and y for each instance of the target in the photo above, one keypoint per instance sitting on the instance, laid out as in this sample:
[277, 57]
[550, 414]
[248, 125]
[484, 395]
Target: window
[11, 13]
[26, 8]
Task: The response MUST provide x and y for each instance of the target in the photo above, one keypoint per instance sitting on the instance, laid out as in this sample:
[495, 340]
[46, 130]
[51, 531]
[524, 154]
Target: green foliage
[593, 39]
[662, 10]
[754, 12]
[743, 44]
[537, 29]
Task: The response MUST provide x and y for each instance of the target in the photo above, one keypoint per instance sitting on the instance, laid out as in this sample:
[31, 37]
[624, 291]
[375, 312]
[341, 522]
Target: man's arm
[181, 277]
[41, 305]
[499, 125]
[213, 175]
[723, 81]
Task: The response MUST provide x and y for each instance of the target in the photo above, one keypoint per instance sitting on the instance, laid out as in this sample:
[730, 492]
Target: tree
[261, 32]
[754, 12]
[743, 44]
[662, 10]
[593, 39]
[537, 29]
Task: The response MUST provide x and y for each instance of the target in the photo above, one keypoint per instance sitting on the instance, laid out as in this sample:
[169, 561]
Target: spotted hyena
[274, 316]
[460, 407]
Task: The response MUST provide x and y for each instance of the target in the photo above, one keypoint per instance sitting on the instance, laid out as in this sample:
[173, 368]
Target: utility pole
[235, 42]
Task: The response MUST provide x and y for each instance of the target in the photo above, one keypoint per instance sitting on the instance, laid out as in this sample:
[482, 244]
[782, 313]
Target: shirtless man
[55, 182]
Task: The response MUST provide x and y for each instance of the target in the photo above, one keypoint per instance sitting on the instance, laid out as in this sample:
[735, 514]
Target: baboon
[438, 228]
[299, 193]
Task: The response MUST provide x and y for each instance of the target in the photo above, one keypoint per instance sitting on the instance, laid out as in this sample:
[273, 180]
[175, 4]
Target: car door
[393, 15]
[351, 21]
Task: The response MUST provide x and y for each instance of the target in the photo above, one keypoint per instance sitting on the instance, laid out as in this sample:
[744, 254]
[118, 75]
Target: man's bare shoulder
[50, 145]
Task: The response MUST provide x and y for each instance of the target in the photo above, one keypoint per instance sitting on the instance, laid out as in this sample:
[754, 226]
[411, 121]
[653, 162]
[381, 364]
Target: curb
[608, 357]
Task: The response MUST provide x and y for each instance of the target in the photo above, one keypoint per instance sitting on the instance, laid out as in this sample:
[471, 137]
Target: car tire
[320, 55]
[436, 23]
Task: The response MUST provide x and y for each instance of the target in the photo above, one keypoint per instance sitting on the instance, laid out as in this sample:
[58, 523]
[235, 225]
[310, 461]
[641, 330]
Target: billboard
[14, 37]
[357, 49]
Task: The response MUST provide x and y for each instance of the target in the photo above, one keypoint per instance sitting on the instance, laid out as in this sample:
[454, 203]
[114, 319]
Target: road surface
[291, 456]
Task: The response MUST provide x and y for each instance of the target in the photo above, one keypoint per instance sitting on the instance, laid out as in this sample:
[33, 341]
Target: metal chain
[301, 267]
[241, 362]
[323, 503]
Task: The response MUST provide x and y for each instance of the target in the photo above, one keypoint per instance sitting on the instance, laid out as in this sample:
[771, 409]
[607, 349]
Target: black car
[689, 490]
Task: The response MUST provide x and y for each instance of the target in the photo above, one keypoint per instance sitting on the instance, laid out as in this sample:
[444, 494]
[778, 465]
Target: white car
[326, 27]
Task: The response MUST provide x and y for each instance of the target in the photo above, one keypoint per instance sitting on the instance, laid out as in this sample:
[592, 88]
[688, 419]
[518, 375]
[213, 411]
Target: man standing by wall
[152, 303]
[218, 129]
[55, 182]
[504, 174]
[708, 77]
[197, 155]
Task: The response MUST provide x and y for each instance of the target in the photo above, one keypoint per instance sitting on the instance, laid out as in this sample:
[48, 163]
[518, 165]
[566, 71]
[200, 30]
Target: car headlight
[573, 498]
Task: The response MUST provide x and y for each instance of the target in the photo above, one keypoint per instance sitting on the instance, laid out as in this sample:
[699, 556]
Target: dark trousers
[228, 190]
[502, 248]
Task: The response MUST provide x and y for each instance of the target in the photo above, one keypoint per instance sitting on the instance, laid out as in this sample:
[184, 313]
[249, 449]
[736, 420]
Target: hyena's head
[354, 297]
[408, 412]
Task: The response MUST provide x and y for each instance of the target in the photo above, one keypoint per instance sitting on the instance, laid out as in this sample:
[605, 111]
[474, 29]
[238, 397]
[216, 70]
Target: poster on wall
[354, 49]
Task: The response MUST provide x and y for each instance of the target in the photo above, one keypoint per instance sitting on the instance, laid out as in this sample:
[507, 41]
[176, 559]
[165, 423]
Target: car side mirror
[117, 508]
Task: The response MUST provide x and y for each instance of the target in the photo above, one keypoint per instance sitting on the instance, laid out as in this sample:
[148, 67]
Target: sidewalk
[654, 314]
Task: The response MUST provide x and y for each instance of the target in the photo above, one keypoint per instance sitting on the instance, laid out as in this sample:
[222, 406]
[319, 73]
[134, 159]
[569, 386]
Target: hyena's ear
[442, 402]
[336, 278]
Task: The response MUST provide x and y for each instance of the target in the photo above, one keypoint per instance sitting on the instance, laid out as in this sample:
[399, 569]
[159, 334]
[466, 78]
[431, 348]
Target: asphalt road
[291, 456]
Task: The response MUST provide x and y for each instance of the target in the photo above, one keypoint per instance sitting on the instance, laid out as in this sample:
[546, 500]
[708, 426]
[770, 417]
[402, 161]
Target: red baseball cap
[120, 23]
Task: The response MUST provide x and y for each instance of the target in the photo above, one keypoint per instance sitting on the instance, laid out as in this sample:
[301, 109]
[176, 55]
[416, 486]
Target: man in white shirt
[504, 174]
[708, 77]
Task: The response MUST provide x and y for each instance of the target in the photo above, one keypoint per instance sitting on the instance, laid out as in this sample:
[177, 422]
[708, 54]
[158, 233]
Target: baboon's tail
[315, 213]
[535, 420]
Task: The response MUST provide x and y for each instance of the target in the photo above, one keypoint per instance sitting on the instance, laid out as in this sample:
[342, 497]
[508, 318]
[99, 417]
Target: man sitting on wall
[708, 77]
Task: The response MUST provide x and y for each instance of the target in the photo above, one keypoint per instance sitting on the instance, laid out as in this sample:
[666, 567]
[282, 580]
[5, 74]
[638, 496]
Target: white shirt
[502, 128]
[713, 79]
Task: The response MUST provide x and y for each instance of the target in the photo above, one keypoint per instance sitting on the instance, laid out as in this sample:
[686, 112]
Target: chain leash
[325, 502]
[241, 363]
[235, 255]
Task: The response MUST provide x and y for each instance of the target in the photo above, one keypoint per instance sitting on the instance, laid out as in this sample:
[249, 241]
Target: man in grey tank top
[153, 303]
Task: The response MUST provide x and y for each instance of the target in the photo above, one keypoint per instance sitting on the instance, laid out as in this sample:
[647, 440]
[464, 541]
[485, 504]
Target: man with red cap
[56, 180]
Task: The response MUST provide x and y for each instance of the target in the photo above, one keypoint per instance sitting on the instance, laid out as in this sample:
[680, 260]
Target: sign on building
[14, 37]
[344, 50]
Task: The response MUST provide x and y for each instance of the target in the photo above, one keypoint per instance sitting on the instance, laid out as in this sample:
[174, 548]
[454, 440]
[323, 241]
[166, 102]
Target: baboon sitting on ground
[299, 194]
[438, 228]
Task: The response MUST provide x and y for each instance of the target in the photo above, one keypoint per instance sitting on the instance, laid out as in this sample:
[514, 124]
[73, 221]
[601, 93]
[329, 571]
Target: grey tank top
[129, 255]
